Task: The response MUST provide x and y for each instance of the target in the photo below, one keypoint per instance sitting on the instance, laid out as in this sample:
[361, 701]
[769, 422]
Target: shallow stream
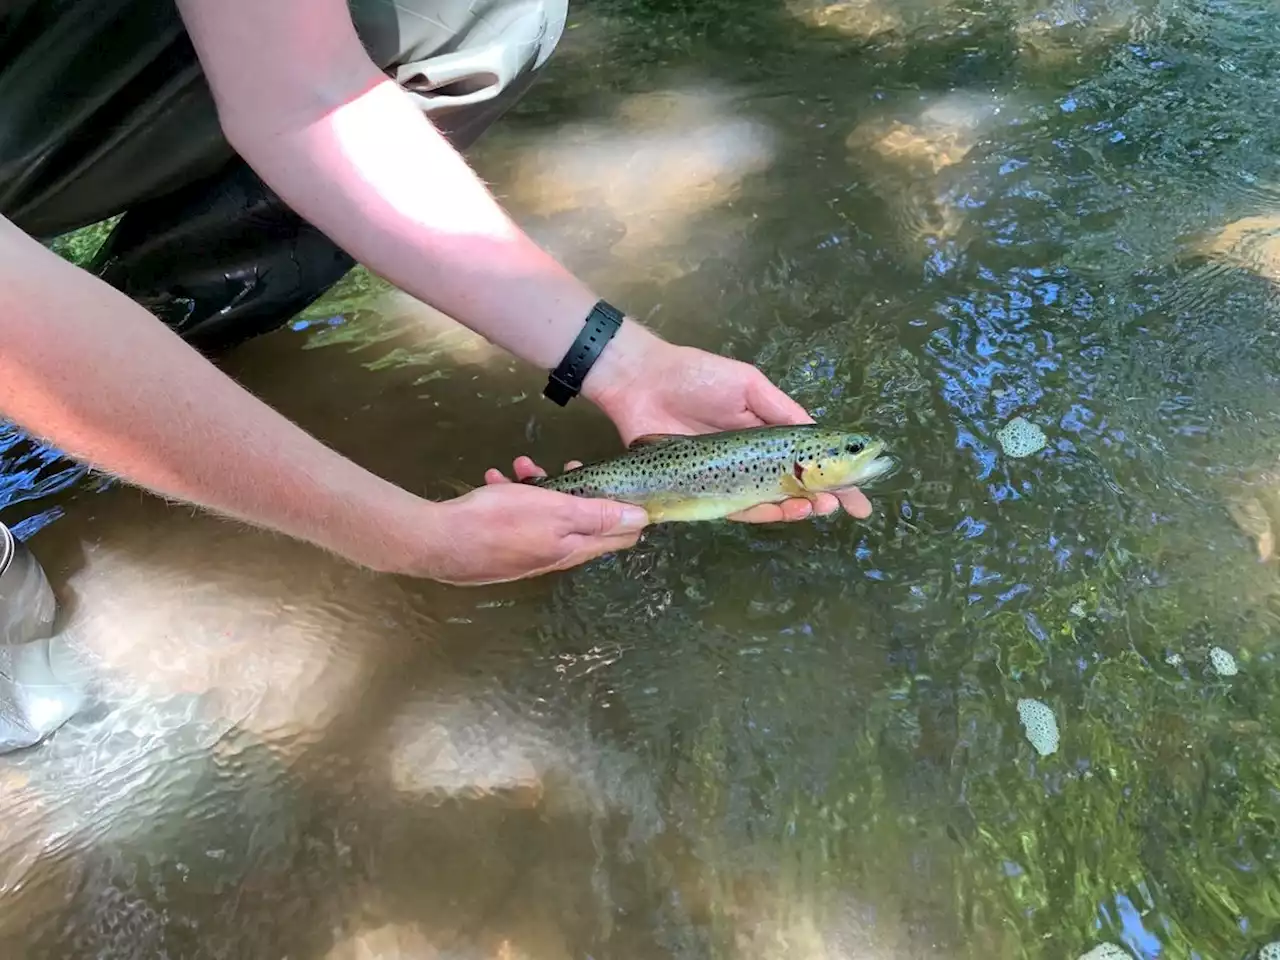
[922, 218]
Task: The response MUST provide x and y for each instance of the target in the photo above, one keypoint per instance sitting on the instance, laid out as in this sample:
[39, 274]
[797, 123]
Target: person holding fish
[259, 150]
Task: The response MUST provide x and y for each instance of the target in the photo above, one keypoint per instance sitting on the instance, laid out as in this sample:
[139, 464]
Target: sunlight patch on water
[1058, 33]
[662, 162]
[426, 337]
[455, 748]
[939, 135]
[392, 941]
[864, 19]
[164, 618]
[1251, 243]
[910, 145]
[913, 151]
[826, 928]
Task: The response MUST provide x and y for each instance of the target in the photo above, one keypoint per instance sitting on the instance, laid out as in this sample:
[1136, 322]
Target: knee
[398, 33]
[464, 64]
[557, 12]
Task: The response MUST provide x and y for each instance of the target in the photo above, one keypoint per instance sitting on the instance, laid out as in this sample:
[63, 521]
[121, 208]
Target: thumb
[773, 406]
[603, 518]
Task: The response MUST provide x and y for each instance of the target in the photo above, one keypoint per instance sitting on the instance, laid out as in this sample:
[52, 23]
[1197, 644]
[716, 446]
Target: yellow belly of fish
[692, 509]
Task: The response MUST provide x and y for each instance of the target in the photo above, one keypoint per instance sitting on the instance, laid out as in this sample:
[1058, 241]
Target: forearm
[351, 153]
[378, 179]
[93, 373]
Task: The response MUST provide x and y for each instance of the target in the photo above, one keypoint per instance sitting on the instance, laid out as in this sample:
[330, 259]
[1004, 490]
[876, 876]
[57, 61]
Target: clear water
[921, 218]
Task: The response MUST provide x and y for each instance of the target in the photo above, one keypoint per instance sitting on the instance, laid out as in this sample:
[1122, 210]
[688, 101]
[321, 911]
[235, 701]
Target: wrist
[622, 366]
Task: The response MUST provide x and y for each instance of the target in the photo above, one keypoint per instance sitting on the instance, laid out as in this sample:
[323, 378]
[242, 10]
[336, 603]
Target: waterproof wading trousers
[104, 110]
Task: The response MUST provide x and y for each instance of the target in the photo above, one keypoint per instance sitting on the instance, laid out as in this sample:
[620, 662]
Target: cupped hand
[683, 390]
[507, 531]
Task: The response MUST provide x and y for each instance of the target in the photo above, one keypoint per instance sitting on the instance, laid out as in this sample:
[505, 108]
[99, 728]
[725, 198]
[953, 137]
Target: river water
[922, 218]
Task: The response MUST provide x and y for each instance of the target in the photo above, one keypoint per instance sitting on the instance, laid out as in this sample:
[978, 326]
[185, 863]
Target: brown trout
[711, 476]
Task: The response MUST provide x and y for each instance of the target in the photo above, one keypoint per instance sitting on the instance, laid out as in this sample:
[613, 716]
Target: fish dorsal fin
[652, 440]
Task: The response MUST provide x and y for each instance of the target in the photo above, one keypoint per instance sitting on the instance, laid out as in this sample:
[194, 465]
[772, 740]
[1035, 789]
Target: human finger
[604, 518]
[825, 504]
[855, 502]
[771, 405]
[762, 513]
[522, 467]
[525, 468]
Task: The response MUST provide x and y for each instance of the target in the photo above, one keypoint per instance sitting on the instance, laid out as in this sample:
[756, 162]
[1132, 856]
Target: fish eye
[855, 448]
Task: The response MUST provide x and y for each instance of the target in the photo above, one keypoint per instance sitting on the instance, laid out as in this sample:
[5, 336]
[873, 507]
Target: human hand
[507, 531]
[663, 388]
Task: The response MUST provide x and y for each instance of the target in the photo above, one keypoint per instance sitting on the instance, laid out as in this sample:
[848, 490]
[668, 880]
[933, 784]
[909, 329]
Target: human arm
[300, 100]
[90, 371]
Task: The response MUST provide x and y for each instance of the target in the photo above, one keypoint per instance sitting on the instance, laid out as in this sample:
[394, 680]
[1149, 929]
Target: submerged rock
[1107, 951]
[1253, 502]
[1251, 243]
[1223, 663]
[1040, 724]
[1021, 438]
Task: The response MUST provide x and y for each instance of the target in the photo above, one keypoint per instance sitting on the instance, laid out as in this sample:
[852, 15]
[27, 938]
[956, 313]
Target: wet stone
[1021, 438]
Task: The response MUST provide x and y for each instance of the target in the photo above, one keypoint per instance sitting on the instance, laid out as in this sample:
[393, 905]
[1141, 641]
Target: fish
[710, 476]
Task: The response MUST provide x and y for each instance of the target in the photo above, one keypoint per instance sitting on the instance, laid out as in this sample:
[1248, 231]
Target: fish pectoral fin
[652, 439]
[792, 487]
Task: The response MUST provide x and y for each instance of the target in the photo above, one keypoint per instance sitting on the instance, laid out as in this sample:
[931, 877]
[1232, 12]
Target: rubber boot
[41, 685]
[220, 261]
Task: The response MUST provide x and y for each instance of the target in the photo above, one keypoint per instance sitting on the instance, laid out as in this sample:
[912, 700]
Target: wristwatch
[565, 381]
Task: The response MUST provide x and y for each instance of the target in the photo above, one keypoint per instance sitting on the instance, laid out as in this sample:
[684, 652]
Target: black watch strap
[565, 381]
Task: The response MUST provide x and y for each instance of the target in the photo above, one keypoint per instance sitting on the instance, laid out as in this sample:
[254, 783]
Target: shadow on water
[925, 218]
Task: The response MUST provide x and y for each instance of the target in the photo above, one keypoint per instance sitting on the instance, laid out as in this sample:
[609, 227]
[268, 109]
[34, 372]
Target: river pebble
[1020, 438]
[1223, 663]
[1107, 951]
[1040, 724]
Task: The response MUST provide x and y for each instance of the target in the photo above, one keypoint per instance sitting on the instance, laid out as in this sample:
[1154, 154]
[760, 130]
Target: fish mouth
[879, 468]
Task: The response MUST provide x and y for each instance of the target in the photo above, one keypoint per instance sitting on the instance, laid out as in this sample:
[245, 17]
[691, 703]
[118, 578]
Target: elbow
[254, 120]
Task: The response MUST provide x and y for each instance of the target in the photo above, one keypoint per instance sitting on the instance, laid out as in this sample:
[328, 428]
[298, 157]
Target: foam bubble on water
[1040, 724]
[1270, 952]
[1223, 663]
[1107, 951]
[1021, 438]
